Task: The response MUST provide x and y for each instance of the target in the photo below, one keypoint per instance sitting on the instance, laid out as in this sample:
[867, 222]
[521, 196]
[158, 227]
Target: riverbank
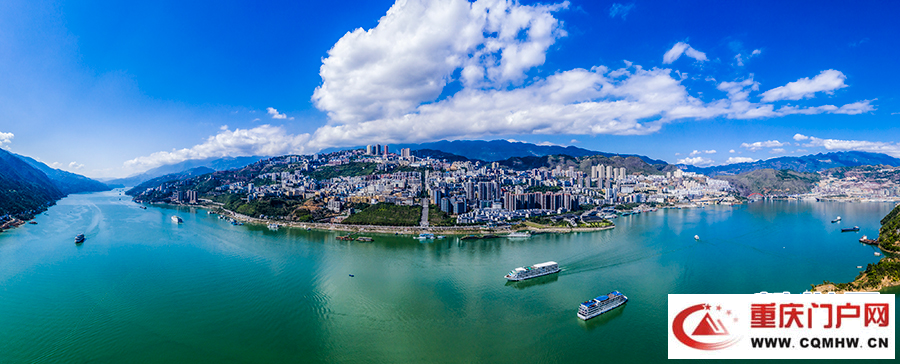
[878, 276]
[11, 224]
[875, 278]
[397, 230]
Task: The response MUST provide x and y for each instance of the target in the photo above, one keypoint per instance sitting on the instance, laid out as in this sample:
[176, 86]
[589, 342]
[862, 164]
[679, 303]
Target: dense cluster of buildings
[472, 191]
[879, 184]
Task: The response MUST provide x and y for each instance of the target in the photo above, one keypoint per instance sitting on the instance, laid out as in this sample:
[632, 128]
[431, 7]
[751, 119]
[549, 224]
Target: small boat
[143, 207]
[877, 254]
[424, 236]
[696, 237]
[441, 236]
[837, 219]
[858, 267]
[345, 237]
[351, 275]
[855, 228]
[519, 235]
[177, 219]
[308, 229]
[273, 226]
[364, 238]
[79, 238]
[33, 222]
[210, 213]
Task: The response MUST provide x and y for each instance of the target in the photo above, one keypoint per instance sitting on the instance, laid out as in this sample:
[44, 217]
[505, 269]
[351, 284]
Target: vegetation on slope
[772, 182]
[632, 164]
[387, 214]
[351, 169]
[436, 217]
[269, 207]
[24, 189]
[889, 235]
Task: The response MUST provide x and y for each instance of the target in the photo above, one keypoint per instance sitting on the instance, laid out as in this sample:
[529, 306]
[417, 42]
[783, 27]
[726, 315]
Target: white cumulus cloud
[275, 115]
[697, 161]
[5, 138]
[683, 48]
[766, 144]
[698, 152]
[892, 149]
[826, 81]
[800, 137]
[733, 160]
[264, 140]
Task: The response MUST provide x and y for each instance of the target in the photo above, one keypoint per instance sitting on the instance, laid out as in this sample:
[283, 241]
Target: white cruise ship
[597, 306]
[537, 270]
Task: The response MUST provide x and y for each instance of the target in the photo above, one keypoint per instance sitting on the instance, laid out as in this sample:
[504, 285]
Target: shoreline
[385, 229]
[859, 284]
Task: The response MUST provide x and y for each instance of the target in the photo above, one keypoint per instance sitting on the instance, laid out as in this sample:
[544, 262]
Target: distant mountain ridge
[808, 163]
[66, 182]
[216, 164]
[498, 150]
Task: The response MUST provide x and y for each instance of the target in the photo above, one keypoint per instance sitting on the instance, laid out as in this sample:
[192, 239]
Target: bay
[142, 289]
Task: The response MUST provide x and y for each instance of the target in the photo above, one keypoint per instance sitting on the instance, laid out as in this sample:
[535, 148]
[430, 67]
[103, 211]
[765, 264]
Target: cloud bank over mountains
[453, 69]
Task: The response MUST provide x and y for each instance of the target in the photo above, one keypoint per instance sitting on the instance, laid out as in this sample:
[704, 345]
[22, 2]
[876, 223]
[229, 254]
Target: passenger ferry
[600, 305]
[537, 270]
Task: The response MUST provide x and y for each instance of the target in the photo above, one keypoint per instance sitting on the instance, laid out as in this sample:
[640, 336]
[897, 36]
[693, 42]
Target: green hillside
[24, 189]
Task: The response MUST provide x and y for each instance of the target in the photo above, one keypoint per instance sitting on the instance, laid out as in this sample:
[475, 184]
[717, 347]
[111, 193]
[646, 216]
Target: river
[142, 289]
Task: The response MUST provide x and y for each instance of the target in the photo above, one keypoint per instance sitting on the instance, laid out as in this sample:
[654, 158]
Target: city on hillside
[332, 187]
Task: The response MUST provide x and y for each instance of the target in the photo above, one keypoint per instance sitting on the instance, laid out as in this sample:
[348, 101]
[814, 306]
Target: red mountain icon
[709, 327]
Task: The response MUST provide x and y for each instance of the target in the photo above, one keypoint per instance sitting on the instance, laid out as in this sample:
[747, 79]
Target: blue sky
[106, 88]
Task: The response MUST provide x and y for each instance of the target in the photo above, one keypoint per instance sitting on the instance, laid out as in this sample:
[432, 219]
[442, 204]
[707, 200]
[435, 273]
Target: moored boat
[273, 226]
[424, 236]
[600, 305]
[537, 270]
[519, 235]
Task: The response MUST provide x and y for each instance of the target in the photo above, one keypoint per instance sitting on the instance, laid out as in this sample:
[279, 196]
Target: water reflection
[603, 319]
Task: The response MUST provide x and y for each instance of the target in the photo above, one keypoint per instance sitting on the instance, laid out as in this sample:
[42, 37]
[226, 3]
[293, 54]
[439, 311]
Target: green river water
[143, 289]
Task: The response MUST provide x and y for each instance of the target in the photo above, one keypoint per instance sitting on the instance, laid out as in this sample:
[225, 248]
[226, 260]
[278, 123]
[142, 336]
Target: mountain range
[66, 182]
[215, 164]
[498, 150]
[808, 163]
